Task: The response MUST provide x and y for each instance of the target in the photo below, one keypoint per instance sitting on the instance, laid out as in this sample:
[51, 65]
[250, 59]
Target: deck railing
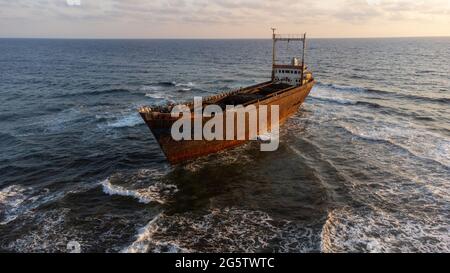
[289, 36]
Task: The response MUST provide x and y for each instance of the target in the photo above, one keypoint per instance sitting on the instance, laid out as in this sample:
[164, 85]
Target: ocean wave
[238, 155]
[225, 230]
[140, 245]
[333, 100]
[147, 88]
[126, 121]
[330, 97]
[157, 91]
[7, 139]
[9, 117]
[390, 94]
[341, 87]
[53, 123]
[113, 91]
[11, 202]
[166, 83]
[345, 101]
[184, 89]
[54, 229]
[188, 84]
[16, 200]
[47, 236]
[424, 145]
[174, 83]
[350, 230]
[158, 192]
[159, 95]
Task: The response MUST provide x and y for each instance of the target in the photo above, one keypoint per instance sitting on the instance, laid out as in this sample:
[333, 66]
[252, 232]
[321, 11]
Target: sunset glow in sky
[222, 18]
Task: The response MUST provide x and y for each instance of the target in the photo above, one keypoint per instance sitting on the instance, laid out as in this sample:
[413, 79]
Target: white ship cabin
[295, 73]
[288, 74]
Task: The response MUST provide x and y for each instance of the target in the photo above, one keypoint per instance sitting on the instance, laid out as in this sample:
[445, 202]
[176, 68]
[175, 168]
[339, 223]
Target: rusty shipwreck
[288, 87]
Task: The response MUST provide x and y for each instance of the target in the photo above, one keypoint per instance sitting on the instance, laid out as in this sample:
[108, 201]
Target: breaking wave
[154, 193]
[159, 95]
[189, 84]
[48, 236]
[140, 245]
[383, 93]
[351, 230]
[16, 200]
[225, 230]
[12, 200]
[126, 121]
[424, 145]
[137, 186]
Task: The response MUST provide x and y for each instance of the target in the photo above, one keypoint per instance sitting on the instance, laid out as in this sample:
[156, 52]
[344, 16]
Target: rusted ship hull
[288, 98]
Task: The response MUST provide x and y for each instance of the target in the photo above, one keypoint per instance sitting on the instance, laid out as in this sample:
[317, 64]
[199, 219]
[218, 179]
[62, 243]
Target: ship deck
[256, 93]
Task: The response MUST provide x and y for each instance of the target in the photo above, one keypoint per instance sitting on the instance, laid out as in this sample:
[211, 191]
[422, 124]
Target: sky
[222, 18]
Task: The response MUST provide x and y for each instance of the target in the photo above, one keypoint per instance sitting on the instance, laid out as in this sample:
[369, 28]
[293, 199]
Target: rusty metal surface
[179, 151]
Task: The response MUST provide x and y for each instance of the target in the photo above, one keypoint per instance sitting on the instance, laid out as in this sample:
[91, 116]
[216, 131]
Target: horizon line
[213, 38]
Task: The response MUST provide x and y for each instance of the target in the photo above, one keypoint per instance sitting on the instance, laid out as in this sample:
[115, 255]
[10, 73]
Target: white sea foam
[157, 95]
[48, 235]
[328, 94]
[11, 200]
[154, 193]
[418, 142]
[224, 230]
[351, 230]
[130, 120]
[16, 200]
[186, 89]
[141, 188]
[147, 88]
[141, 245]
[189, 84]
[408, 136]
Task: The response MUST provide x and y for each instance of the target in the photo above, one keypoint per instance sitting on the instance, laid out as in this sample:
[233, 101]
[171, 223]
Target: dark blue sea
[364, 166]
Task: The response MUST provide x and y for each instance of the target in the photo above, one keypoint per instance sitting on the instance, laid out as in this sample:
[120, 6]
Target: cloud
[220, 14]
[224, 10]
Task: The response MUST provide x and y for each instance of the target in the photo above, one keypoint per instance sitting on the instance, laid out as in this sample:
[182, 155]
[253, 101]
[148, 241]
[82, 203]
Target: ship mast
[273, 53]
[303, 58]
[288, 38]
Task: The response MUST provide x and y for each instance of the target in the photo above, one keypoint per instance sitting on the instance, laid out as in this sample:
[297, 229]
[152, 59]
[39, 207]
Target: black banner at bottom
[221, 262]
